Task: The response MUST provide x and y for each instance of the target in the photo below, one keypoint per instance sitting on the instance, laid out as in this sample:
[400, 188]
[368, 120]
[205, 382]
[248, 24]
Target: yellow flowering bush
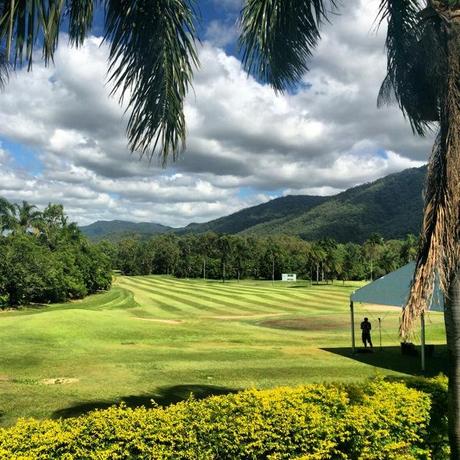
[380, 420]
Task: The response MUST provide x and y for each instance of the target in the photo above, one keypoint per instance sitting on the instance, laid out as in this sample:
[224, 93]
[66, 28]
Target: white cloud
[326, 137]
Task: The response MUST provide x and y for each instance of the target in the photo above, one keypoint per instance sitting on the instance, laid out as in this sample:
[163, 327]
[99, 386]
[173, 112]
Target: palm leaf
[4, 69]
[439, 252]
[278, 38]
[24, 23]
[80, 15]
[152, 59]
[415, 61]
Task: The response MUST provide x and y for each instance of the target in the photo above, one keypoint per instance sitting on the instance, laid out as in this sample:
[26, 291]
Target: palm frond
[80, 15]
[278, 38]
[152, 59]
[415, 61]
[24, 23]
[4, 69]
[439, 252]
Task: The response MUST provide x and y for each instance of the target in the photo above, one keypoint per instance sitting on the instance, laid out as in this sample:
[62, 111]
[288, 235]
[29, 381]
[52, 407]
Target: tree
[423, 78]
[7, 215]
[409, 248]
[224, 249]
[28, 217]
[318, 255]
[372, 249]
[16, 217]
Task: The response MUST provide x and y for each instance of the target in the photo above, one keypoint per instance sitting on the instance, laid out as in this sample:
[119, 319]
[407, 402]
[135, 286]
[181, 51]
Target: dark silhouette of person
[366, 327]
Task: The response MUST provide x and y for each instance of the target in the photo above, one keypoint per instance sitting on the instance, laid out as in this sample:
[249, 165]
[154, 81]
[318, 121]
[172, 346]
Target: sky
[62, 138]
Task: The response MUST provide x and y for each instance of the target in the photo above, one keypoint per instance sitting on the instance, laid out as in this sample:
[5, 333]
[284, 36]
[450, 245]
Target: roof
[393, 289]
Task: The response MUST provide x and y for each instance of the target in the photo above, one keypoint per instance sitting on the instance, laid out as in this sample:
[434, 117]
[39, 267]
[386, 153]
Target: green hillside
[391, 206]
[279, 208]
[117, 229]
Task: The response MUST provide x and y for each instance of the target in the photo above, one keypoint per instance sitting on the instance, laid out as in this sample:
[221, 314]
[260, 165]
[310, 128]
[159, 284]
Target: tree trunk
[452, 321]
[204, 269]
[450, 128]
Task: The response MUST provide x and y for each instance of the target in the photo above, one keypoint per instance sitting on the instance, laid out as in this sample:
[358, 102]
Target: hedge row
[379, 420]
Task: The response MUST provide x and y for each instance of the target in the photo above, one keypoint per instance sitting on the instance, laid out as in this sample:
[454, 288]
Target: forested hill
[391, 206]
[280, 208]
[118, 229]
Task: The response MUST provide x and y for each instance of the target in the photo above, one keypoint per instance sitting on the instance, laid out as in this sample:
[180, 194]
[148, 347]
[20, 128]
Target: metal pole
[380, 332]
[352, 314]
[422, 324]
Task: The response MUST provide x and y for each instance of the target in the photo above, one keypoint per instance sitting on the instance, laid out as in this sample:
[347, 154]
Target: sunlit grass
[160, 337]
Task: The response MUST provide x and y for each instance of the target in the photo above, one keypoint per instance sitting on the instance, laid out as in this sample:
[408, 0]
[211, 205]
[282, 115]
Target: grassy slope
[218, 339]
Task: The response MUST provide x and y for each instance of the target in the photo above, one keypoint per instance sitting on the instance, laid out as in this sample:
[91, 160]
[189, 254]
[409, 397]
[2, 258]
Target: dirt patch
[262, 315]
[59, 381]
[4, 378]
[164, 321]
[304, 324]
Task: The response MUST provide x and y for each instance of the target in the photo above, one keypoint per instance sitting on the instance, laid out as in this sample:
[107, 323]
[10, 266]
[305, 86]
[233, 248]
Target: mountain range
[391, 206]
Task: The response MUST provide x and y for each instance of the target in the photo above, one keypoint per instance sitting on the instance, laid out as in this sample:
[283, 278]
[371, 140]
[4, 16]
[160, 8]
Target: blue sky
[62, 137]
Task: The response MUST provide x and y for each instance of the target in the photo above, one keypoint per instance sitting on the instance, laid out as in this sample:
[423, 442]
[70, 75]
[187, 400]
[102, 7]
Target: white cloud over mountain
[244, 143]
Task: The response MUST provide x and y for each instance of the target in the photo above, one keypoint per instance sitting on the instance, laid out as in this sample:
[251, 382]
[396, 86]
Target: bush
[437, 438]
[381, 420]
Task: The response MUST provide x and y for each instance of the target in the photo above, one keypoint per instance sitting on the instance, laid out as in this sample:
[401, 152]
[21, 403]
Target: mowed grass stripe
[185, 303]
[219, 304]
[157, 300]
[151, 306]
[258, 288]
[212, 295]
[318, 292]
[274, 303]
[231, 299]
[189, 298]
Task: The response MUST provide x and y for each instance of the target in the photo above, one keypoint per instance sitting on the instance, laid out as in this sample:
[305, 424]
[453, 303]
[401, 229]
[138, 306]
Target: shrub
[382, 421]
[437, 438]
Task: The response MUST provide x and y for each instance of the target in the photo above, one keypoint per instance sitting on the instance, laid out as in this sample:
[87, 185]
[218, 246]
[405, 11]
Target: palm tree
[21, 218]
[27, 217]
[7, 216]
[423, 78]
[152, 56]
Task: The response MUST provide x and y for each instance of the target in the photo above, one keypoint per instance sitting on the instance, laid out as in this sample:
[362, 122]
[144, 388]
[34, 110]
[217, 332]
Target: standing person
[366, 327]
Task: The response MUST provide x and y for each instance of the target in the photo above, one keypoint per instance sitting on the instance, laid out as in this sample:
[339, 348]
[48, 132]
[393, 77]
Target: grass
[162, 338]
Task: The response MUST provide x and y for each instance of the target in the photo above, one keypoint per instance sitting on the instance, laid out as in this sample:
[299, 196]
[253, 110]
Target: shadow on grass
[164, 396]
[391, 358]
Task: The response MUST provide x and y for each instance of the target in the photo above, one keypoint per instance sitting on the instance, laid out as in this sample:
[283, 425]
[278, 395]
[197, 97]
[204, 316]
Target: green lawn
[161, 338]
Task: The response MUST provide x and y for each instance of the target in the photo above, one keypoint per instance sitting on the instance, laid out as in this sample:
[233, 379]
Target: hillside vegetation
[117, 229]
[391, 206]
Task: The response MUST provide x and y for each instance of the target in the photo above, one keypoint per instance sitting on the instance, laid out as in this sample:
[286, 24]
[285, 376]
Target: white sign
[289, 277]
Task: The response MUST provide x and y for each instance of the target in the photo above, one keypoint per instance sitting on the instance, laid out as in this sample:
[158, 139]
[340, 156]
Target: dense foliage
[379, 420]
[210, 255]
[44, 258]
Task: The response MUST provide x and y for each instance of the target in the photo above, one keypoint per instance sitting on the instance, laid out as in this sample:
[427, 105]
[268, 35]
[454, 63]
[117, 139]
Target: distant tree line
[215, 256]
[44, 258]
